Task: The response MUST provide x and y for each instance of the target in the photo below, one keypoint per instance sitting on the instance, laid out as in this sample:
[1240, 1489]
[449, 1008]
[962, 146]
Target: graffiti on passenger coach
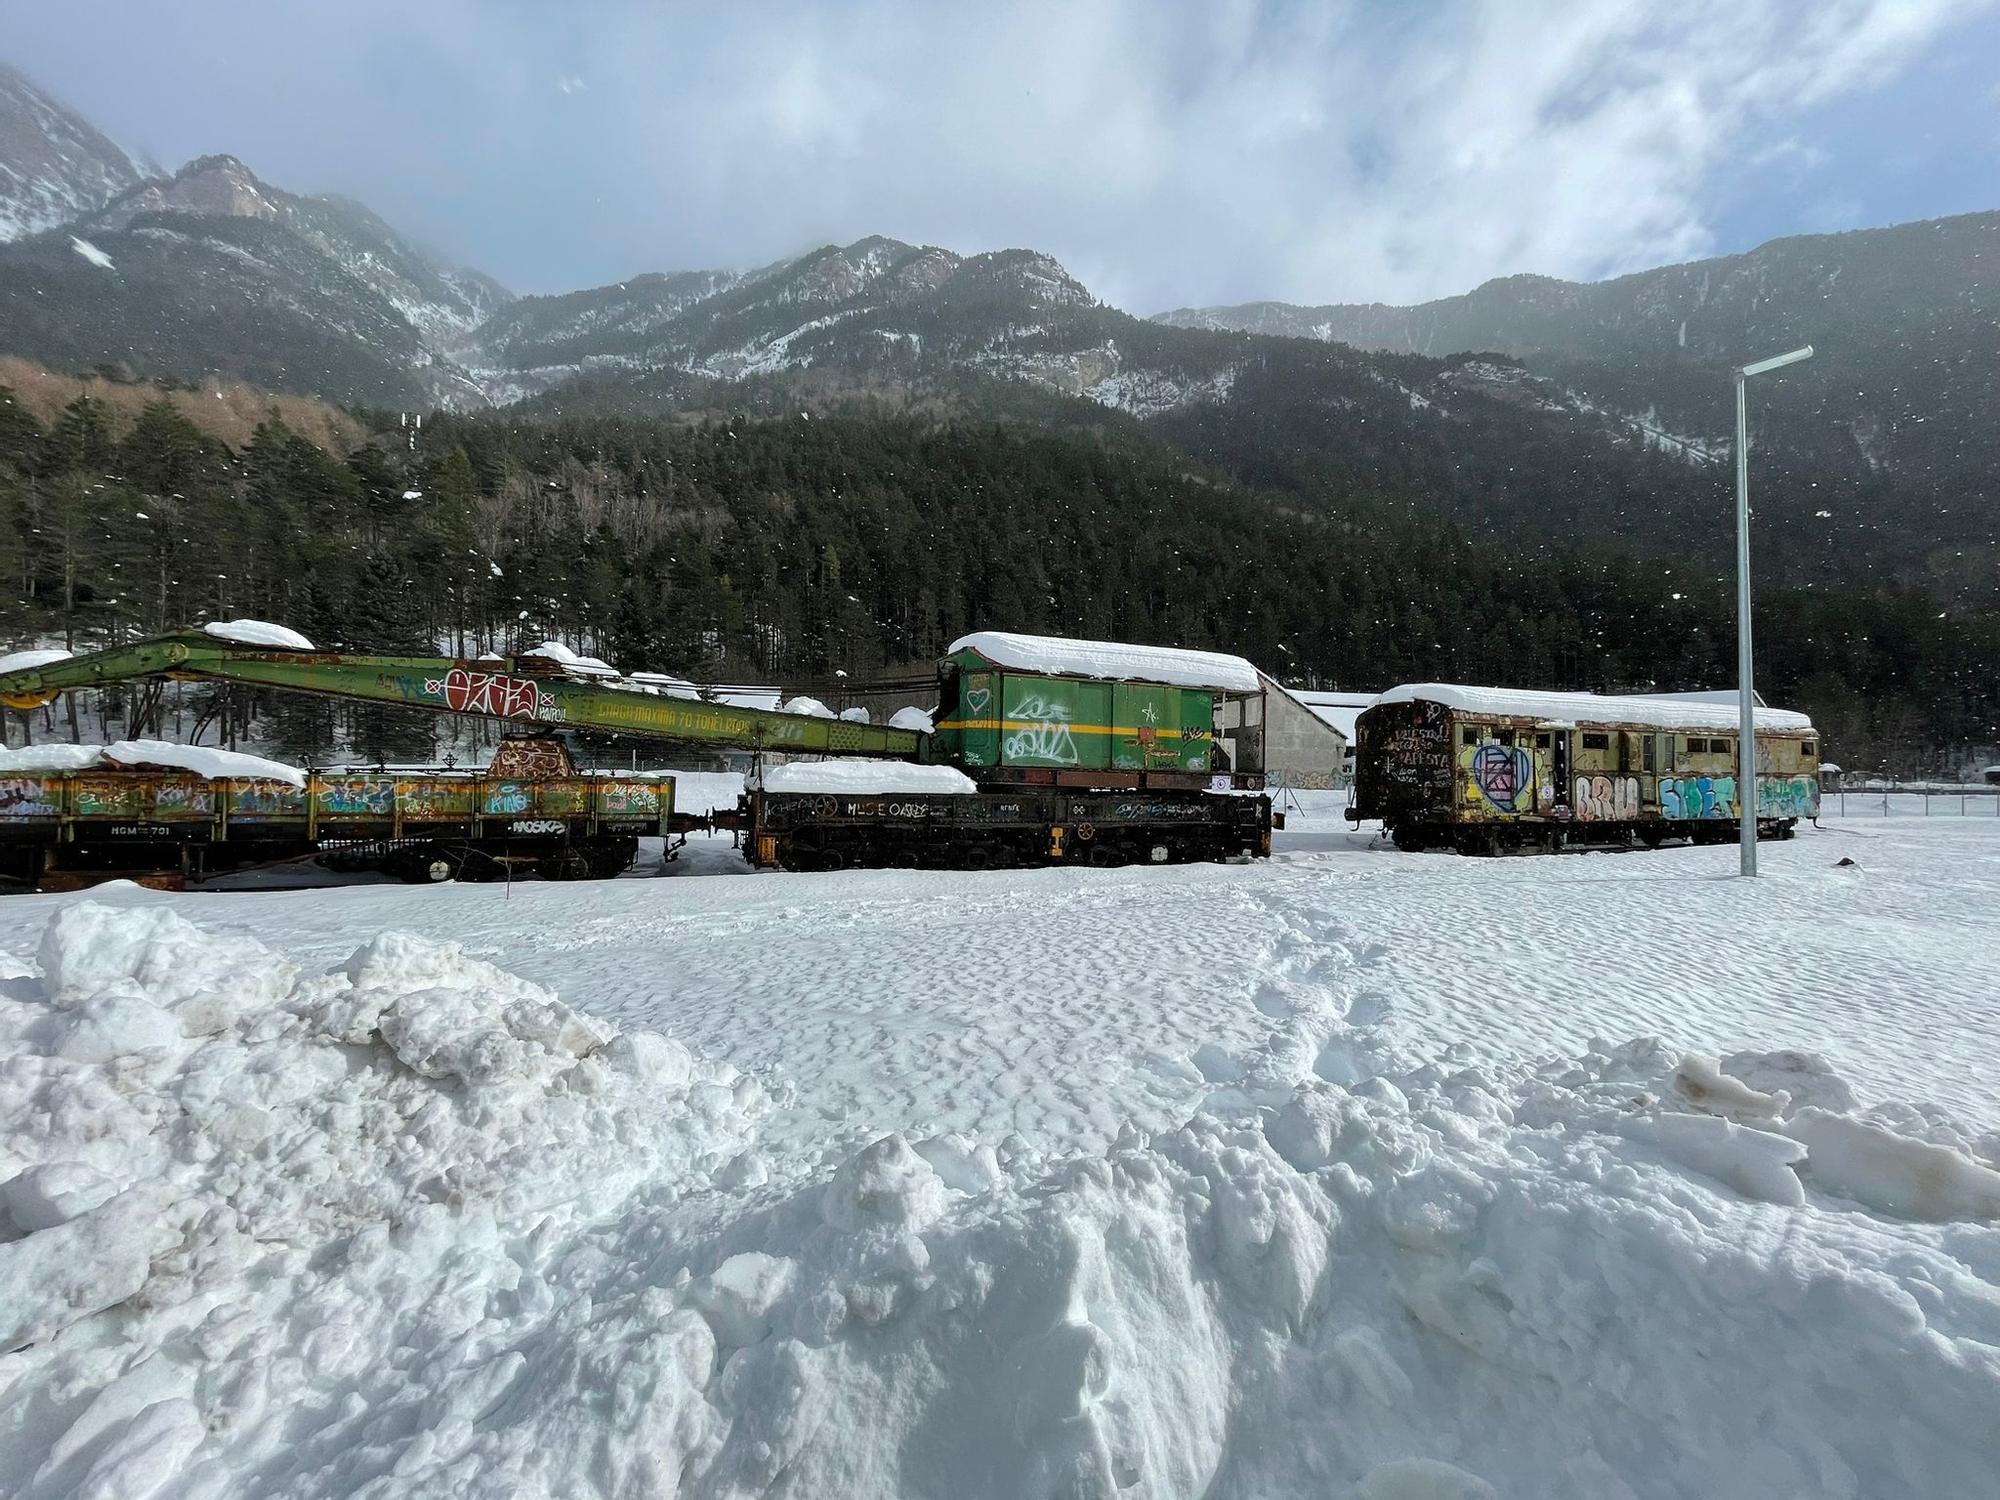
[1417, 752]
[1504, 775]
[1787, 797]
[1606, 799]
[1683, 797]
[492, 693]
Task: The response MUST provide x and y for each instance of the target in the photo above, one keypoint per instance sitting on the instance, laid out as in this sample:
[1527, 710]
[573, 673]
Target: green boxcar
[1018, 719]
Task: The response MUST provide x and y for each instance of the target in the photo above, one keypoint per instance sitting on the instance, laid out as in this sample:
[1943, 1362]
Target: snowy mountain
[876, 305]
[1906, 321]
[55, 165]
[211, 269]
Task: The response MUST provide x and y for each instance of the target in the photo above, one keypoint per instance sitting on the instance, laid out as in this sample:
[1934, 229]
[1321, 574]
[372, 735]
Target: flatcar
[1488, 770]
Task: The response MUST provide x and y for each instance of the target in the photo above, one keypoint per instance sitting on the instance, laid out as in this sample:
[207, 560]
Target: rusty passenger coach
[1486, 770]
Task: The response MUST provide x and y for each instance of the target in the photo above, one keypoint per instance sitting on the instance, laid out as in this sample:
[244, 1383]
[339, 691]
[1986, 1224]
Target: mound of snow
[811, 707]
[30, 759]
[912, 718]
[856, 715]
[202, 760]
[842, 778]
[257, 633]
[664, 684]
[418, 1227]
[570, 661]
[42, 656]
[1115, 661]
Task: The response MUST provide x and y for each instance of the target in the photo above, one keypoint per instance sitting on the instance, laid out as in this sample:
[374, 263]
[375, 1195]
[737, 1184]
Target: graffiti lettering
[358, 796]
[1047, 737]
[1504, 775]
[1607, 799]
[28, 797]
[504, 799]
[1686, 797]
[1787, 797]
[492, 693]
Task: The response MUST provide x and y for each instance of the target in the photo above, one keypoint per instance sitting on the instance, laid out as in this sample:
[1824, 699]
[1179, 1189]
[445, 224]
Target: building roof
[1570, 708]
[1337, 711]
[1112, 661]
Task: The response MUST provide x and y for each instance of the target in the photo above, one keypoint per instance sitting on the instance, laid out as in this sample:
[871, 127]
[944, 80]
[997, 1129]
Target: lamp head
[1775, 362]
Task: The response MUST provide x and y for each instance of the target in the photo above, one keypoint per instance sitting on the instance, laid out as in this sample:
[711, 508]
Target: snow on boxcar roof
[1520, 703]
[1114, 661]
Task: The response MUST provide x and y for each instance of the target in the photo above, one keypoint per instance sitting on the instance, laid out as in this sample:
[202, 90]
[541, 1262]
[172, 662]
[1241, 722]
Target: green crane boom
[530, 691]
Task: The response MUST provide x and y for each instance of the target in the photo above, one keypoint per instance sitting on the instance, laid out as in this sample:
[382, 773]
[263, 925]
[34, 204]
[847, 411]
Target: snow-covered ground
[1352, 1173]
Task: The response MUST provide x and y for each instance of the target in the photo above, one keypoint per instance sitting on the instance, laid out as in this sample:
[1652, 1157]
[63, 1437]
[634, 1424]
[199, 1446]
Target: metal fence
[1912, 800]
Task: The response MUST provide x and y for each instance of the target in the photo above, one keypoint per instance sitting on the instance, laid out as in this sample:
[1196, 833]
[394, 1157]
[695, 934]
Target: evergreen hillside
[785, 547]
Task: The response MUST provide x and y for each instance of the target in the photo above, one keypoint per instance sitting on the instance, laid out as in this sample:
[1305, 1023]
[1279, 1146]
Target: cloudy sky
[1169, 154]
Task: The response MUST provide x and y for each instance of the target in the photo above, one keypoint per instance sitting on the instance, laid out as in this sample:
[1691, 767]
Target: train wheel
[1409, 837]
[424, 867]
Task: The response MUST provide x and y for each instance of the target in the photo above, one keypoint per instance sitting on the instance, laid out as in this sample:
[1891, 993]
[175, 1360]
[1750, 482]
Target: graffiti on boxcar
[1606, 799]
[1683, 797]
[357, 796]
[1503, 774]
[1046, 736]
[492, 693]
[504, 799]
[266, 799]
[186, 798]
[628, 798]
[107, 798]
[28, 797]
[1788, 797]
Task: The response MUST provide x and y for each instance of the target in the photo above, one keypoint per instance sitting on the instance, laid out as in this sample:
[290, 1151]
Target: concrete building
[1302, 750]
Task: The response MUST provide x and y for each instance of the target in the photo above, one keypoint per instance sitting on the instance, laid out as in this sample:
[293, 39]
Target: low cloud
[1167, 153]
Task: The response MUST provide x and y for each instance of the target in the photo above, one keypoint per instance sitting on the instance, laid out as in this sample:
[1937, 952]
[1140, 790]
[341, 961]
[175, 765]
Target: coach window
[1505, 736]
[1597, 742]
[1697, 746]
[1470, 734]
[1648, 754]
[1541, 742]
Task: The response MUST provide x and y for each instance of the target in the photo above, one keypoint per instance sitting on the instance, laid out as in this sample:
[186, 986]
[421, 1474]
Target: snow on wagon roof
[1114, 661]
[1519, 703]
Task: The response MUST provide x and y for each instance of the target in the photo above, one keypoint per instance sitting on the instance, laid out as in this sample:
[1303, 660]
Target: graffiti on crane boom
[494, 694]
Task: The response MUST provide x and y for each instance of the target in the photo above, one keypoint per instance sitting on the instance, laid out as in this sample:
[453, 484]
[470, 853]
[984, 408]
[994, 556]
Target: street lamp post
[1746, 707]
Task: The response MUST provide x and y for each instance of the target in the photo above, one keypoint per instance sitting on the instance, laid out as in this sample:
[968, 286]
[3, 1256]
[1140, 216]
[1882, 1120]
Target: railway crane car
[1489, 770]
[1050, 751]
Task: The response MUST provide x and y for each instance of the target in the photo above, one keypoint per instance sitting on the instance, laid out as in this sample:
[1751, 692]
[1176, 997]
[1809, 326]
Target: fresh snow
[258, 633]
[1349, 1173]
[810, 707]
[1115, 661]
[1574, 708]
[912, 718]
[849, 777]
